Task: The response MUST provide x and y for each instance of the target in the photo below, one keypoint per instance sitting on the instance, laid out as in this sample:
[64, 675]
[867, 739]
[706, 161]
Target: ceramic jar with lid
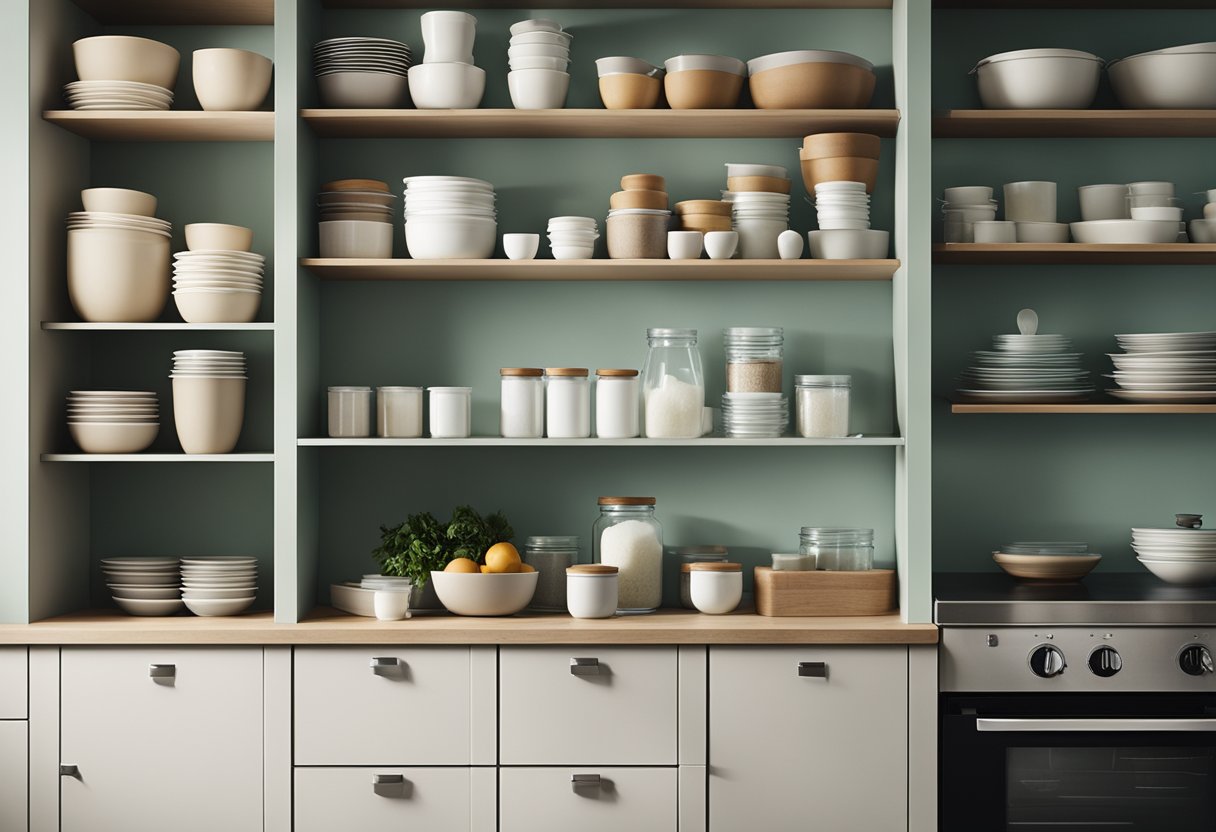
[616, 404]
[628, 536]
[673, 385]
[688, 555]
[522, 403]
[591, 590]
[568, 403]
[716, 588]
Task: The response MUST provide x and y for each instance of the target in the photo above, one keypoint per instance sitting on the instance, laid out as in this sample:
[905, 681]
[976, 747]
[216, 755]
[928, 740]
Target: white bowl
[1203, 231]
[1157, 212]
[356, 238]
[1103, 202]
[721, 245]
[1182, 572]
[220, 606]
[537, 50]
[715, 63]
[617, 65]
[150, 593]
[538, 24]
[447, 86]
[147, 606]
[849, 244]
[214, 236]
[1042, 79]
[546, 38]
[217, 305]
[1177, 80]
[211, 593]
[538, 89]
[572, 252]
[967, 195]
[231, 79]
[355, 90]
[521, 246]
[685, 245]
[117, 274]
[125, 58]
[113, 437]
[450, 238]
[119, 201]
[482, 594]
[994, 231]
[1125, 231]
[540, 62]
[1041, 232]
[208, 413]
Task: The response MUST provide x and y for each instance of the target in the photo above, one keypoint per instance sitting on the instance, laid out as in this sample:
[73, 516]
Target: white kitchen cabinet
[588, 705]
[14, 683]
[439, 799]
[14, 775]
[161, 738]
[590, 799]
[803, 738]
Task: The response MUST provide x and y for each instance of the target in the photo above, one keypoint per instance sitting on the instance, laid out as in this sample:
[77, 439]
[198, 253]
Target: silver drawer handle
[585, 781]
[813, 670]
[162, 671]
[384, 664]
[69, 770]
[585, 667]
[388, 779]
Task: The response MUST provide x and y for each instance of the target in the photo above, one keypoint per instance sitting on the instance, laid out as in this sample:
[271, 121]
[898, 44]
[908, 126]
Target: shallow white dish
[146, 606]
[222, 606]
[1183, 573]
[142, 592]
[1125, 231]
[1164, 396]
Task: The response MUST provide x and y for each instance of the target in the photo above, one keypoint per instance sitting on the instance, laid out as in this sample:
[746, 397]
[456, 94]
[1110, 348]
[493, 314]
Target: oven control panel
[1077, 659]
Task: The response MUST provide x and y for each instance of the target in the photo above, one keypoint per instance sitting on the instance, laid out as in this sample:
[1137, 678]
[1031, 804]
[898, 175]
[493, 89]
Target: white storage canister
[568, 403]
[350, 412]
[451, 412]
[399, 411]
[591, 590]
[617, 404]
[522, 406]
[716, 588]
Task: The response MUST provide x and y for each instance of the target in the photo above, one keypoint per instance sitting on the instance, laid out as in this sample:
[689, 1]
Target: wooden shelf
[1109, 5]
[669, 124]
[1034, 254]
[618, 4]
[165, 125]
[704, 442]
[1069, 124]
[1092, 407]
[402, 269]
[157, 457]
[80, 326]
[184, 12]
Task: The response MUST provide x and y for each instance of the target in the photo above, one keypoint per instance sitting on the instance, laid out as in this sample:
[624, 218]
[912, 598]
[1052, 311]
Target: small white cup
[391, 604]
[995, 231]
[789, 245]
[684, 245]
[721, 245]
[521, 246]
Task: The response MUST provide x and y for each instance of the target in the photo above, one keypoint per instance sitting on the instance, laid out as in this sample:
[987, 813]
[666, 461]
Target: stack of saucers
[361, 72]
[113, 421]
[211, 287]
[755, 415]
[1166, 367]
[144, 586]
[219, 585]
[1027, 368]
[449, 217]
[1185, 555]
[573, 238]
[117, 95]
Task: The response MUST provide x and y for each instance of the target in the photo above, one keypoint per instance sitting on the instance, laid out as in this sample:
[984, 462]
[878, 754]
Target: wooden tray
[825, 593]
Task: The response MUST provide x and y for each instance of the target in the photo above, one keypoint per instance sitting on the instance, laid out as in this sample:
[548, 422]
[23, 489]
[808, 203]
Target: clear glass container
[627, 535]
[822, 404]
[673, 387]
[755, 357]
[839, 550]
[550, 557]
[688, 555]
[568, 403]
[522, 403]
[350, 412]
[616, 404]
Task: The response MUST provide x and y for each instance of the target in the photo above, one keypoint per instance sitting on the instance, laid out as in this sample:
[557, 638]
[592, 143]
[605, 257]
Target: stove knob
[1196, 660]
[1105, 662]
[1047, 661]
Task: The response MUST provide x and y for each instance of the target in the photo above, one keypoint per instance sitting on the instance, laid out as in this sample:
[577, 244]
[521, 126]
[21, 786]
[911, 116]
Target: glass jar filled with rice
[627, 535]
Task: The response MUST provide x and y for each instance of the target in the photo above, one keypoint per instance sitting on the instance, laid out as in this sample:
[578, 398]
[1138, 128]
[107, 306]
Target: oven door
[1078, 762]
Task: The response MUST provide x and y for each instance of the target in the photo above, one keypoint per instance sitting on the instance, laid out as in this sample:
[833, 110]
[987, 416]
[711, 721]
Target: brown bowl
[630, 92]
[654, 200]
[715, 207]
[643, 182]
[702, 89]
[1047, 567]
[767, 184]
[829, 145]
[839, 169]
[356, 185]
[810, 86]
[704, 223]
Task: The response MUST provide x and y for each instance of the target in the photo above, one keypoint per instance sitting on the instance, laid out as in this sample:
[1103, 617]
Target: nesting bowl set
[218, 279]
[356, 219]
[449, 217]
[361, 72]
[447, 79]
[539, 59]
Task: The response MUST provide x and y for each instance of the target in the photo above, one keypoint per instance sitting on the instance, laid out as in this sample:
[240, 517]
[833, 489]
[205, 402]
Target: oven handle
[1113, 725]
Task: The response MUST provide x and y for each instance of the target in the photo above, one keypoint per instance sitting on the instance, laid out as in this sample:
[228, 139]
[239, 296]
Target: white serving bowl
[215, 236]
[125, 58]
[356, 238]
[849, 244]
[713, 63]
[538, 89]
[217, 305]
[209, 413]
[1182, 572]
[485, 594]
[521, 246]
[1041, 232]
[1165, 80]
[113, 437]
[447, 86]
[994, 231]
[209, 593]
[1125, 231]
[231, 79]
[221, 606]
[1038, 79]
[117, 274]
[119, 201]
[450, 238]
[356, 90]
[148, 606]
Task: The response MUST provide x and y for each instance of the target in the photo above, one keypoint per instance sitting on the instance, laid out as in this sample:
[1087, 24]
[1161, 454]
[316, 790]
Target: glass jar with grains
[628, 536]
[755, 357]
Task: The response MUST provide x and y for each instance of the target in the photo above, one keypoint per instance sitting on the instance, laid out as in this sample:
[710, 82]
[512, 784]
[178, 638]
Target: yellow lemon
[461, 565]
[523, 567]
[485, 570]
[503, 557]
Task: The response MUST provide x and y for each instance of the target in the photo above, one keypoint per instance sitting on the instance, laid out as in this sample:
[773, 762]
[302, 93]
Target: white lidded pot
[716, 588]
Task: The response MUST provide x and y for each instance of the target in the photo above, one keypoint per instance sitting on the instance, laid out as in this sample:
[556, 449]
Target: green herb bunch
[422, 544]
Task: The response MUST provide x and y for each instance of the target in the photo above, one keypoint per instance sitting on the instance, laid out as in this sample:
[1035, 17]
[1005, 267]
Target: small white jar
[591, 590]
[567, 403]
[716, 588]
[391, 604]
[451, 412]
[617, 404]
[823, 405]
[350, 412]
[399, 411]
[522, 403]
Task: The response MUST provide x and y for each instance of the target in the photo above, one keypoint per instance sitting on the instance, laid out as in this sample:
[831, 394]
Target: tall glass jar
[754, 358]
[628, 536]
[522, 403]
[673, 387]
[839, 550]
[550, 556]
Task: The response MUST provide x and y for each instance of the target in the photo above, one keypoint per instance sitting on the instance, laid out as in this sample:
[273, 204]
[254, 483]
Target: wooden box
[825, 593]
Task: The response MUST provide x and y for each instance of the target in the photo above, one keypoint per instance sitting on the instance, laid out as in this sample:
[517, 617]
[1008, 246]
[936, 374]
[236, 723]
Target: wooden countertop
[328, 626]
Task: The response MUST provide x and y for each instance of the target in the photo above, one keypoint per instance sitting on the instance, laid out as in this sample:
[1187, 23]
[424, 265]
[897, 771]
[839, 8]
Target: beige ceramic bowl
[643, 182]
[215, 236]
[231, 79]
[119, 201]
[829, 145]
[208, 413]
[117, 275]
[702, 89]
[217, 305]
[1047, 567]
[839, 169]
[654, 200]
[628, 91]
[481, 594]
[705, 223]
[113, 437]
[716, 207]
[124, 58]
[816, 85]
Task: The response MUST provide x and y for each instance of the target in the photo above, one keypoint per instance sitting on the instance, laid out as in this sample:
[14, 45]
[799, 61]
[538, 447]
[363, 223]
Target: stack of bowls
[356, 217]
[446, 79]
[1031, 207]
[231, 79]
[1165, 367]
[962, 208]
[118, 257]
[361, 72]
[843, 209]
[1204, 230]
[1154, 215]
[144, 586]
[1038, 79]
[1185, 556]
[1178, 77]
[118, 72]
[208, 399]
[629, 83]
[539, 57]
[1025, 368]
[638, 219]
[1103, 202]
[808, 79]
[219, 585]
[219, 280]
[755, 415]
[703, 82]
[573, 238]
[759, 216]
[113, 421]
[840, 157]
[704, 215]
[449, 218]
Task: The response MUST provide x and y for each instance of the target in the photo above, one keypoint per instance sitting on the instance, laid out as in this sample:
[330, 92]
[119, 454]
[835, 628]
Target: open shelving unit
[1074, 124]
[1031, 254]
[704, 442]
[153, 457]
[1087, 407]
[165, 126]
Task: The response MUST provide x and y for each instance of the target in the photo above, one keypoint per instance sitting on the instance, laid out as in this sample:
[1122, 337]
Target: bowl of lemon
[503, 585]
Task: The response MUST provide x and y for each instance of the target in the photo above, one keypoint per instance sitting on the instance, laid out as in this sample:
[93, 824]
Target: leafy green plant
[422, 543]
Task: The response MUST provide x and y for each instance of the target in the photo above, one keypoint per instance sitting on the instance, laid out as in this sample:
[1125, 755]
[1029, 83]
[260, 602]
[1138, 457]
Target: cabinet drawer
[384, 706]
[438, 799]
[14, 683]
[14, 775]
[548, 799]
[617, 709]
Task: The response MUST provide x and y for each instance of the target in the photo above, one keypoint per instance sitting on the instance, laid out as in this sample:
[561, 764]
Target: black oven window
[1070, 788]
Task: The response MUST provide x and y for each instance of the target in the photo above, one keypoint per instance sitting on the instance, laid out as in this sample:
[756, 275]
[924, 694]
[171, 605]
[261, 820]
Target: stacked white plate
[539, 57]
[449, 218]
[113, 421]
[219, 585]
[755, 415]
[1179, 555]
[842, 205]
[117, 95]
[144, 586]
[759, 217]
[573, 238]
[218, 286]
[1166, 367]
[1026, 368]
[361, 72]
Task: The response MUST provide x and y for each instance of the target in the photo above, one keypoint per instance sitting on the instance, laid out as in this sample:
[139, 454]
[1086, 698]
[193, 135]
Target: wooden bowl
[829, 145]
[818, 85]
[715, 207]
[625, 91]
[643, 182]
[1047, 567]
[767, 184]
[654, 200]
[839, 169]
[356, 185]
[704, 223]
[702, 89]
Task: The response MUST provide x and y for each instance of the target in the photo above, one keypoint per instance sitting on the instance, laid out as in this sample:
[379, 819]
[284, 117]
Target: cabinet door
[14, 776]
[822, 745]
[599, 800]
[439, 799]
[162, 739]
[587, 705]
[14, 683]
